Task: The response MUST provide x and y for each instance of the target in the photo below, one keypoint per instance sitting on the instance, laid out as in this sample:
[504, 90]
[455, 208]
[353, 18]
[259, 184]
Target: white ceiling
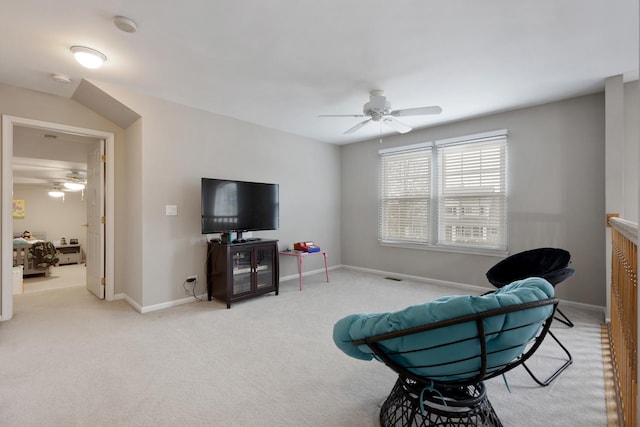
[280, 63]
[45, 158]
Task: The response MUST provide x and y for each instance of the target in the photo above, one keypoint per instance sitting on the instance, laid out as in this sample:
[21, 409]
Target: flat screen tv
[238, 206]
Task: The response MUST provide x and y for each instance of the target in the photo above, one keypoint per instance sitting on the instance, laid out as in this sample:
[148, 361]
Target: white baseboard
[583, 306]
[464, 286]
[187, 300]
[155, 307]
[420, 279]
[437, 282]
[308, 273]
[129, 301]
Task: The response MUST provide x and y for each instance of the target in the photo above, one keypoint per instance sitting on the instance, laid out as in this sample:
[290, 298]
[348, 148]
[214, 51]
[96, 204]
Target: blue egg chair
[443, 350]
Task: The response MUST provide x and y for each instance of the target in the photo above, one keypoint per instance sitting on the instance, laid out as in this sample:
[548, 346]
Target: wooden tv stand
[237, 271]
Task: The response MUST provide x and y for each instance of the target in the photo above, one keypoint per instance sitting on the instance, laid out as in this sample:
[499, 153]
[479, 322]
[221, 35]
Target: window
[464, 205]
[405, 194]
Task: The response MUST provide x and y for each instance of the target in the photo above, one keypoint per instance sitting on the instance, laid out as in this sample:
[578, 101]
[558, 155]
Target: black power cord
[191, 291]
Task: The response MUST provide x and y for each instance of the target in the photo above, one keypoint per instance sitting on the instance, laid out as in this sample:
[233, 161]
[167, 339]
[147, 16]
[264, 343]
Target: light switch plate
[171, 210]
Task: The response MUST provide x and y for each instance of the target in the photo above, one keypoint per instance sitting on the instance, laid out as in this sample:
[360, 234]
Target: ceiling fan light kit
[74, 186]
[75, 181]
[378, 109]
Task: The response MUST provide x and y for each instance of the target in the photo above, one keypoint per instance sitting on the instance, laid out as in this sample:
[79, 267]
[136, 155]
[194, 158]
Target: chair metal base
[446, 407]
[553, 376]
[564, 319]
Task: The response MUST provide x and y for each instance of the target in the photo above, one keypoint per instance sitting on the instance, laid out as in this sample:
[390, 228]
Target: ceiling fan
[76, 181]
[378, 109]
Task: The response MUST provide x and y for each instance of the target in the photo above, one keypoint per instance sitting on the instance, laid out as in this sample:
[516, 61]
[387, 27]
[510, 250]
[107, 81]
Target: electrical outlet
[192, 278]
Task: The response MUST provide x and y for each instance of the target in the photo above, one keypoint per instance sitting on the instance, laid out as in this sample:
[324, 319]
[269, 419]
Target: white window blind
[472, 193]
[405, 194]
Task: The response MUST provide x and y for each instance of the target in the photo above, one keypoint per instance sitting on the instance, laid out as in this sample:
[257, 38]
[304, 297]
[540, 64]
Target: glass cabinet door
[264, 267]
[241, 270]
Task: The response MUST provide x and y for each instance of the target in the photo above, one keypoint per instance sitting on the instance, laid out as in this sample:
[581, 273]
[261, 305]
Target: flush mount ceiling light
[125, 24]
[61, 78]
[88, 57]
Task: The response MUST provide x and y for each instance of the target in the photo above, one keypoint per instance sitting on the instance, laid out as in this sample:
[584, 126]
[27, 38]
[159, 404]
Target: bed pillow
[20, 241]
[407, 351]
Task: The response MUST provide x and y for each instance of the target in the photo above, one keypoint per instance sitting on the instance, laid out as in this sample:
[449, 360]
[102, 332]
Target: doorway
[102, 245]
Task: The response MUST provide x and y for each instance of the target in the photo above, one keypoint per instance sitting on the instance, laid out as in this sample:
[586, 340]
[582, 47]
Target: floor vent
[394, 279]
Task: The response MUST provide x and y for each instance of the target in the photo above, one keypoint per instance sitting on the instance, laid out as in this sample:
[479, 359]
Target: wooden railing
[623, 327]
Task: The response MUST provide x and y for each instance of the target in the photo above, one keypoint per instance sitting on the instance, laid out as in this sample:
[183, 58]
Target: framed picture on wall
[18, 209]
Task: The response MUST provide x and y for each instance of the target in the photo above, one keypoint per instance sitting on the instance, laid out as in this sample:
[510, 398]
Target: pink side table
[300, 255]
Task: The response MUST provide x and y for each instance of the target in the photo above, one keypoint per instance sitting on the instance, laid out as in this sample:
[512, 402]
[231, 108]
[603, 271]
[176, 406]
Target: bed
[35, 256]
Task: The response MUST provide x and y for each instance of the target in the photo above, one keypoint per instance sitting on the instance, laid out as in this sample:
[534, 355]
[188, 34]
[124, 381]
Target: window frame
[405, 155]
[435, 241]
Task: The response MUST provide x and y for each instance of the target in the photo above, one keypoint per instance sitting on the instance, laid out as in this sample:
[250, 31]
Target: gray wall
[159, 161]
[173, 147]
[631, 150]
[555, 197]
[329, 193]
[128, 227]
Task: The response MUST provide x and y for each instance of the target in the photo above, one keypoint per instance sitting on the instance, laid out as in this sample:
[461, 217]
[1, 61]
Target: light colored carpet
[68, 359]
[63, 276]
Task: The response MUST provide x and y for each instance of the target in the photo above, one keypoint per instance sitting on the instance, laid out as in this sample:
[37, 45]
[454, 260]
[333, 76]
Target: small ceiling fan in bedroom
[378, 109]
[75, 181]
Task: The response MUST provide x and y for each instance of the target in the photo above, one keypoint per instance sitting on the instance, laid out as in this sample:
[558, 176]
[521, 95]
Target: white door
[95, 223]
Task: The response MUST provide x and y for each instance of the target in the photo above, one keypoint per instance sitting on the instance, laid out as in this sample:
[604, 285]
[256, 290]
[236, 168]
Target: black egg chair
[552, 264]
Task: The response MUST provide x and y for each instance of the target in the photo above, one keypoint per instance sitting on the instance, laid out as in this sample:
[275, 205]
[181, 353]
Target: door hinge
[103, 158]
[103, 220]
[103, 281]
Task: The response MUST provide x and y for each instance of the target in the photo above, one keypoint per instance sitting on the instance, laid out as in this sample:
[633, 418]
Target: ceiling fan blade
[417, 111]
[396, 125]
[356, 127]
[341, 115]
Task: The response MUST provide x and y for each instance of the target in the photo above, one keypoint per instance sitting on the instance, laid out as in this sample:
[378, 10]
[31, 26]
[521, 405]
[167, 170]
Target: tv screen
[229, 205]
